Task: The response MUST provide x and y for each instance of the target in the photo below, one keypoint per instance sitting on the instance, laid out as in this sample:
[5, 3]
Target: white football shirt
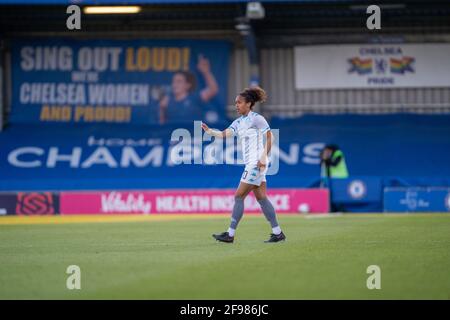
[250, 130]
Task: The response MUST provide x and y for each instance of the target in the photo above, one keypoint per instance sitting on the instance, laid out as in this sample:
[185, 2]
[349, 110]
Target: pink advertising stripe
[187, 201]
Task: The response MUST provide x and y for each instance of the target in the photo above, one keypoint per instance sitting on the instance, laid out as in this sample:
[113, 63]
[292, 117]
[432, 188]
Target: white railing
[298, 110]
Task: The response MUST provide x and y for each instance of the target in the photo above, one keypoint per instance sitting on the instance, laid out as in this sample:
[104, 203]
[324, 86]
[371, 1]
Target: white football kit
[250, 130]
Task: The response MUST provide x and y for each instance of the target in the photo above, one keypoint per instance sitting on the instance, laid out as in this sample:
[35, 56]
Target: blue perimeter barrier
[381, 151]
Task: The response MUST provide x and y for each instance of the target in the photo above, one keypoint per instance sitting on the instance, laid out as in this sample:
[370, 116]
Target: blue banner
[401, 146]
[127, 157]
[416, 199]
[114, 81]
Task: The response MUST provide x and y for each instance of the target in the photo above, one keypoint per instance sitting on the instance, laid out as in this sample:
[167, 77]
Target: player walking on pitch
[250, 128]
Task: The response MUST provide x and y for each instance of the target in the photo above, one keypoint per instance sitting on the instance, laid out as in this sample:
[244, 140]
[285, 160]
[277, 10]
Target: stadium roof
[125, 2]
[282, 24]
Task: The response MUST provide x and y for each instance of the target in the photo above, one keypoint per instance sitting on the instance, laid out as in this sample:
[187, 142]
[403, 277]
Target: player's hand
[261, 165]
[205, 127]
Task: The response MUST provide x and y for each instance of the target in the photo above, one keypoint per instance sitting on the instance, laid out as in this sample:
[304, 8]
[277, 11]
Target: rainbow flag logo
[361, 66]
[402, 65]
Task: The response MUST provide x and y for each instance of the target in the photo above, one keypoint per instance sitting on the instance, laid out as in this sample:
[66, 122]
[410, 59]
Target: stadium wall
[278, 79]
[362, 192]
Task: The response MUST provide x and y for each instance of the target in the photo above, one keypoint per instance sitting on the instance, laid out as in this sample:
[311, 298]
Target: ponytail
[254, 95]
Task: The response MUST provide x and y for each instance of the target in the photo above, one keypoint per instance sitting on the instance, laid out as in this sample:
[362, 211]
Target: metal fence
[277, 78]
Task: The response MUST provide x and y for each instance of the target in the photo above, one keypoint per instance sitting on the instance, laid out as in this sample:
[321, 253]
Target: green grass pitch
[323, 258]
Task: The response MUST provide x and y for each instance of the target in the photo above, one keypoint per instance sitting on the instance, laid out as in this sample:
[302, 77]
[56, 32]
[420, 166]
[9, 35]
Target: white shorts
[252, 175]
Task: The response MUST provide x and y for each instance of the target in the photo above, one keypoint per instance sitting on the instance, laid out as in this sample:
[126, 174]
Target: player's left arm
[262, 163]
[262, 125]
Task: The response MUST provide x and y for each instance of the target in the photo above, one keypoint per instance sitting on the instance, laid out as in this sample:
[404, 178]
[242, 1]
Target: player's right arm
[217, 133]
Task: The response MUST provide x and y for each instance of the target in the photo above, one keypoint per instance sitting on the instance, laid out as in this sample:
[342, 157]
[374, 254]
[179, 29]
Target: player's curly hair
[253, 95]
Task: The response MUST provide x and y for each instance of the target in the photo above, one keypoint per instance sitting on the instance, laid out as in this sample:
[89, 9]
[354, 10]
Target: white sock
[231, 232]
[276, 230]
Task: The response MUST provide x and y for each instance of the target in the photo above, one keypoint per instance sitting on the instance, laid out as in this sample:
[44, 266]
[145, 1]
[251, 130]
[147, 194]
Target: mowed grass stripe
[101, 218]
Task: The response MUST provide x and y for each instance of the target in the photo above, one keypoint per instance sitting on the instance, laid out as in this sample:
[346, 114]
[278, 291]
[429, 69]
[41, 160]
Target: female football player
[250, 128]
